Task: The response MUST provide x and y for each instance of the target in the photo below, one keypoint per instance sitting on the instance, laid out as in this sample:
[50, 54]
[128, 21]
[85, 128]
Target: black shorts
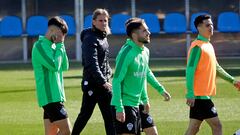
[146, 119]
[132, 121]
[203, 109]
[55, 111]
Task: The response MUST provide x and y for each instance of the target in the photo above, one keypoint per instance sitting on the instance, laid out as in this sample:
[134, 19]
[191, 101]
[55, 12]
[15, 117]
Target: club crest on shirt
[129, 126]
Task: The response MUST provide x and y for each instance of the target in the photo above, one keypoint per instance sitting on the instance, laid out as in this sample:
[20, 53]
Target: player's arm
[223, 74]
[151, 79]
[145, 99]
[122, 63]
[65, 63]
[144, 95]
[192, 63]
[51, 62]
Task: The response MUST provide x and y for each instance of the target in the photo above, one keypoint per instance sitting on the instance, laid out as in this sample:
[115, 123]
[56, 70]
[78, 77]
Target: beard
[143, 40]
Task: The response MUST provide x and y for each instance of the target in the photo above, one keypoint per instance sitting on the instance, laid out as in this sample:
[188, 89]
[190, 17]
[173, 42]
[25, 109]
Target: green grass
[20, 114]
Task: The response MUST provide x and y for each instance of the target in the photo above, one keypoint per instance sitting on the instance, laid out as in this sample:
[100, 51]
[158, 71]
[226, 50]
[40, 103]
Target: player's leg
[63, 126]
[56, 119]
[215, 125]
[50, 128]
[88, 105]
[193, 127]
[151, 131]
[211, 118]
[104, 100]
[147, 123]
[196, 115]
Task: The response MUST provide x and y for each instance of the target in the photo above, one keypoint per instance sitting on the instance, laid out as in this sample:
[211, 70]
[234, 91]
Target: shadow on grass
[181, 73]
[173, 80]
[169, 73]
[74, 77]
[30, 90]
[16, 91]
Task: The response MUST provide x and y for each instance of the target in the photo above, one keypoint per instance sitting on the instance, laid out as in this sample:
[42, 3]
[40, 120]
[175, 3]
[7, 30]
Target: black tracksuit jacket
[95, 55]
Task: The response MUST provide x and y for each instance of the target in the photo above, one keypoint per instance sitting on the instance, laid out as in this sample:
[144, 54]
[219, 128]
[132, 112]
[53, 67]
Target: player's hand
[107, 86]
[58, 37]
[190, 102]
[166, 96]
[237, 84]
[146, 108]
[120, 116]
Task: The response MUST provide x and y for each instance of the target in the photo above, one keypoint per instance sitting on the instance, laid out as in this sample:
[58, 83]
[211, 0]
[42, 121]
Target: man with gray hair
[96, 73]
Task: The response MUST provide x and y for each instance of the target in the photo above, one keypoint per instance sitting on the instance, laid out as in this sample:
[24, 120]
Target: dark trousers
[91, 96]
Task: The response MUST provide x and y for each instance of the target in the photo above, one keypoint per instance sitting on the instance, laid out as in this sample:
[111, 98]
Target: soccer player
[131, 77]
[202, 68]
[96, 73]
[49, 60]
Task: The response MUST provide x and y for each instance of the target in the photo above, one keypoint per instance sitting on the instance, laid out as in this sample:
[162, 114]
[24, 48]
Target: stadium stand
[71, 24]
[11, 26]
[152, 22]
[87, 21]
[118, 23]
[175, 23]
[36, 25]
[228, 22]
[193, 16]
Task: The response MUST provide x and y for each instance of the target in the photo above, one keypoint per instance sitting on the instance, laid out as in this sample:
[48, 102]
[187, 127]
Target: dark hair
[59, 22]
[133, 24]
[198, 20]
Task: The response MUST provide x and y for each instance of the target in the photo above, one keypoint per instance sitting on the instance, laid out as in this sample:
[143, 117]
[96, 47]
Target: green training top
[194, 58]
[131, 77]
[49, 60]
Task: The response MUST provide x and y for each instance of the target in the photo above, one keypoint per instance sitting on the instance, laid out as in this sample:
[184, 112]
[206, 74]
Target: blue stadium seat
[152, 22]
[36, 25]
[118, 23]
[228, 22]
[174, 23]
[71, 24]
[0, 29]
[11, 26]
[87, 21]
[193, 16]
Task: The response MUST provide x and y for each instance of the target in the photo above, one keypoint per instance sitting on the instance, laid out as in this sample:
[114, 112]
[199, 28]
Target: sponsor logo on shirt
[139, 74]
[101, 42]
